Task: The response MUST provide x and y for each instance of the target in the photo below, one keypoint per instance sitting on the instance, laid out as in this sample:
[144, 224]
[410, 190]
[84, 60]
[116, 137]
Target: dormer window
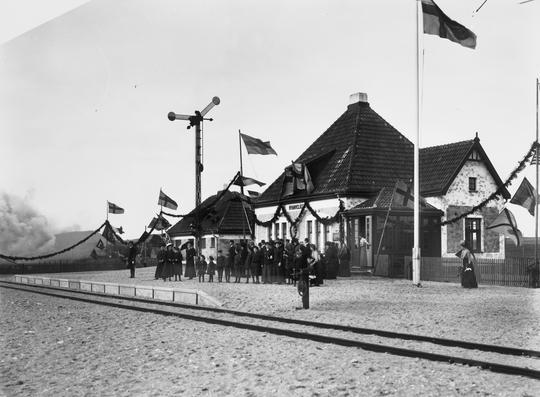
[472, 184]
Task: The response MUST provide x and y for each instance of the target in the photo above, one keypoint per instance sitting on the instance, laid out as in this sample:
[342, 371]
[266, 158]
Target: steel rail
[514, 351]
[403, 352]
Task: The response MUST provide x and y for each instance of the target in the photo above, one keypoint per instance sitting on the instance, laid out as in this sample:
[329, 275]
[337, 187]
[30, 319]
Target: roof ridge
[448, 144]
[353, 152]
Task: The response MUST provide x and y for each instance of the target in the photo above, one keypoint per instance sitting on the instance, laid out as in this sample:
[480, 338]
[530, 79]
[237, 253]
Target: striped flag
[525, 196]
[166, 201]
[505, 223]
[114, 209]
[256, 146]
[437, 23]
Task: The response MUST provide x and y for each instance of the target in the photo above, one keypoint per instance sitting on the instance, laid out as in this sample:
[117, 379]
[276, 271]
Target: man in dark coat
[344, 257]
[279, 262]
[268, 261]
[220, 265]
[132, 255]
[160, 262]
[230, 261]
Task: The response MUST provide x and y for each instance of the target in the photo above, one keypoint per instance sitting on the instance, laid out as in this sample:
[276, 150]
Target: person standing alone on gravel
[132, 254]
[468, 277]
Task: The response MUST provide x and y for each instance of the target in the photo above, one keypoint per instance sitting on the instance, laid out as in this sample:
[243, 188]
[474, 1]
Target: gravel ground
[490, 314]
[55, 347]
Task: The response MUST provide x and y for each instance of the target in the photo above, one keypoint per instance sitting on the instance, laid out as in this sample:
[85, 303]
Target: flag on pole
[297, 178]
[256, 146]
[525, 196]
[437, 23]
[246, 181]
[166, 201]
[100, 244]
[403, 195]
[114, 209]
[505, 223]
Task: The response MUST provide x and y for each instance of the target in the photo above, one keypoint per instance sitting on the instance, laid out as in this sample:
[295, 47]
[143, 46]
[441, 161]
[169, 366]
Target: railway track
[488, 357]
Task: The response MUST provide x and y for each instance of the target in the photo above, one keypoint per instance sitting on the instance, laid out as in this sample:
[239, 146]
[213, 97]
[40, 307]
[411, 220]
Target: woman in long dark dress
[190, 261]
[468, 276]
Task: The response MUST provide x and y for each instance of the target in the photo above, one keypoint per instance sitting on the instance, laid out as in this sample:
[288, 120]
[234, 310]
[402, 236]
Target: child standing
[211, 269]
[201, 268]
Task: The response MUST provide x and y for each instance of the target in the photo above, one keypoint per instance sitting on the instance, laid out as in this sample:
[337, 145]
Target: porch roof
[383, 201]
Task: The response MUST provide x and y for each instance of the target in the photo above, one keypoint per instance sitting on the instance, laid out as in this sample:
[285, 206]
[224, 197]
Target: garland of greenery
[522, 164]
[294, 222]
[15, 258]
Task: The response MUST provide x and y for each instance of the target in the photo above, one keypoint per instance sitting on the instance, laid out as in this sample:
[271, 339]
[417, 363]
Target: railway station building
[355, 165]
[225, 216]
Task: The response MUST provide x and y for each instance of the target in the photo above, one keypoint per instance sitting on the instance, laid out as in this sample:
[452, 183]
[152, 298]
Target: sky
[86, 87]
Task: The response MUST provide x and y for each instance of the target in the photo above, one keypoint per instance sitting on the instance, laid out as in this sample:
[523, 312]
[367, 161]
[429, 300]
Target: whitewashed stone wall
[459, 199]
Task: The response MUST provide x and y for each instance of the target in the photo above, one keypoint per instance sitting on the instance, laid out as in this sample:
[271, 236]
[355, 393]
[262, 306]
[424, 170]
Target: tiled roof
[361, 153]
[224, 216]
[383, 200]
[439, 165]
[358, 154]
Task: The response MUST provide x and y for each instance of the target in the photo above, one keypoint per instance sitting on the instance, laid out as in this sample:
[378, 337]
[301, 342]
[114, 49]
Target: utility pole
[196, 121]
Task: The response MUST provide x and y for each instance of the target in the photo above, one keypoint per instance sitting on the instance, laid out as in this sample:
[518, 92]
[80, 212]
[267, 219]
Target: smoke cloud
[23, 230]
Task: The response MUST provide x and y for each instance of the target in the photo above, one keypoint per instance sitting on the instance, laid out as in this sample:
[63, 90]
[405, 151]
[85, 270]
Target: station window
[203, 243]
[472, 184]
[212, 242]
[284, 230]
[473, 234]
[309, 230]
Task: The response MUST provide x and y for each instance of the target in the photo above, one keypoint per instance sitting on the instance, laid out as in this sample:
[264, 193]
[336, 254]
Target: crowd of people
[266, 262]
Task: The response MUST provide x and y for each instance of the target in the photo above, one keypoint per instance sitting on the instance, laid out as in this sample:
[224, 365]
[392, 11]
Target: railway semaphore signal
[196, 120]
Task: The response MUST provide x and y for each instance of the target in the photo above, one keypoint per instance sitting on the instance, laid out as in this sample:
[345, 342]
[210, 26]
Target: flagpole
[416, 249]
[536, 198]
[241, 179]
